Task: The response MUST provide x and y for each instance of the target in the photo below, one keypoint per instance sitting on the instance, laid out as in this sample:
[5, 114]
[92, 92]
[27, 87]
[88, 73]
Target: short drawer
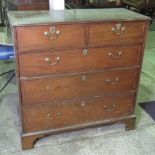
[48, 90]
[116, 33]
[50, 37]
[46, 63]
[65, 114]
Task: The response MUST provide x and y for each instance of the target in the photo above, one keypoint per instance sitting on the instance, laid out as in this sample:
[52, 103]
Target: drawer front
[62, 88]
[50, 37]
[44, 63]
[64, 114]
[116, 33]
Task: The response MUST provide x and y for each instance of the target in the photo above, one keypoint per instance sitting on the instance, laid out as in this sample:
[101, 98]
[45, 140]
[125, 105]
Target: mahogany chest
[77, 68]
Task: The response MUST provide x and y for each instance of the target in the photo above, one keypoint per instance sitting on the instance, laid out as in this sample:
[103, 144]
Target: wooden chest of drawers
[77, 68]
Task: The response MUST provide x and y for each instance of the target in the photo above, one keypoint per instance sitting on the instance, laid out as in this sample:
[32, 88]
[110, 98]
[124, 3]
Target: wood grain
[33, 38]
[102, 34]
[48, 90]
[72, 61]
[80, 111]
[63, 88]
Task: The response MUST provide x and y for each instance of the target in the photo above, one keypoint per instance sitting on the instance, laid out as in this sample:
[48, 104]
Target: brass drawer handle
[83, 77]
[48, 88]
[49, 116]
[52, 34]
[83, 103]
[112, 82]
[59, 114]
[109, 109]
[85, 52]
[115, 55]
[48, 60]
[118, 29]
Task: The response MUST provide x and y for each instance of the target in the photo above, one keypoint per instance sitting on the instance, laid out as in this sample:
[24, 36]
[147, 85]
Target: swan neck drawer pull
[52, 33]
[112, 82]
[118, 29]
[109, 109]
[115, 55]
[48, 60]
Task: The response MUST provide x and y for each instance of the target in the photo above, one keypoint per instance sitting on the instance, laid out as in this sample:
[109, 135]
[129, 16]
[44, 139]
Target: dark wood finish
[92, 60]
[80, 89]
[129, 124]
[77, 112]
[28, 140]
[38, 41]
[101, 34]
[69, 87]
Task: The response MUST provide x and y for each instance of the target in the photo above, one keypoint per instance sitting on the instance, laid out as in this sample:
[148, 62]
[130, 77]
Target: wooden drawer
[116, 33]
[61, 36]
[44, 63]
[64, 114]
[68, 87]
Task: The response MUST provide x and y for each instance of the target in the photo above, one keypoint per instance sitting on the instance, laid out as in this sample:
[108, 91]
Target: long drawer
[60, 115]
[116, 33]
[47, 90]
[50, 37]
[45, 63]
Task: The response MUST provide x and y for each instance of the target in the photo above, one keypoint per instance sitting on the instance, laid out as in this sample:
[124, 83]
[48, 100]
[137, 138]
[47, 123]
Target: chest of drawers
[77, 68]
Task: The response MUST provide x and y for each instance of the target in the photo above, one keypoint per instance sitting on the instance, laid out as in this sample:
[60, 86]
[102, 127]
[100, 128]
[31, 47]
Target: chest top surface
[20, 18]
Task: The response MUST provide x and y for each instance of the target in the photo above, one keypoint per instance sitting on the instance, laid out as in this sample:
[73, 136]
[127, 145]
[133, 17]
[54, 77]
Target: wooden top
[18, 18]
